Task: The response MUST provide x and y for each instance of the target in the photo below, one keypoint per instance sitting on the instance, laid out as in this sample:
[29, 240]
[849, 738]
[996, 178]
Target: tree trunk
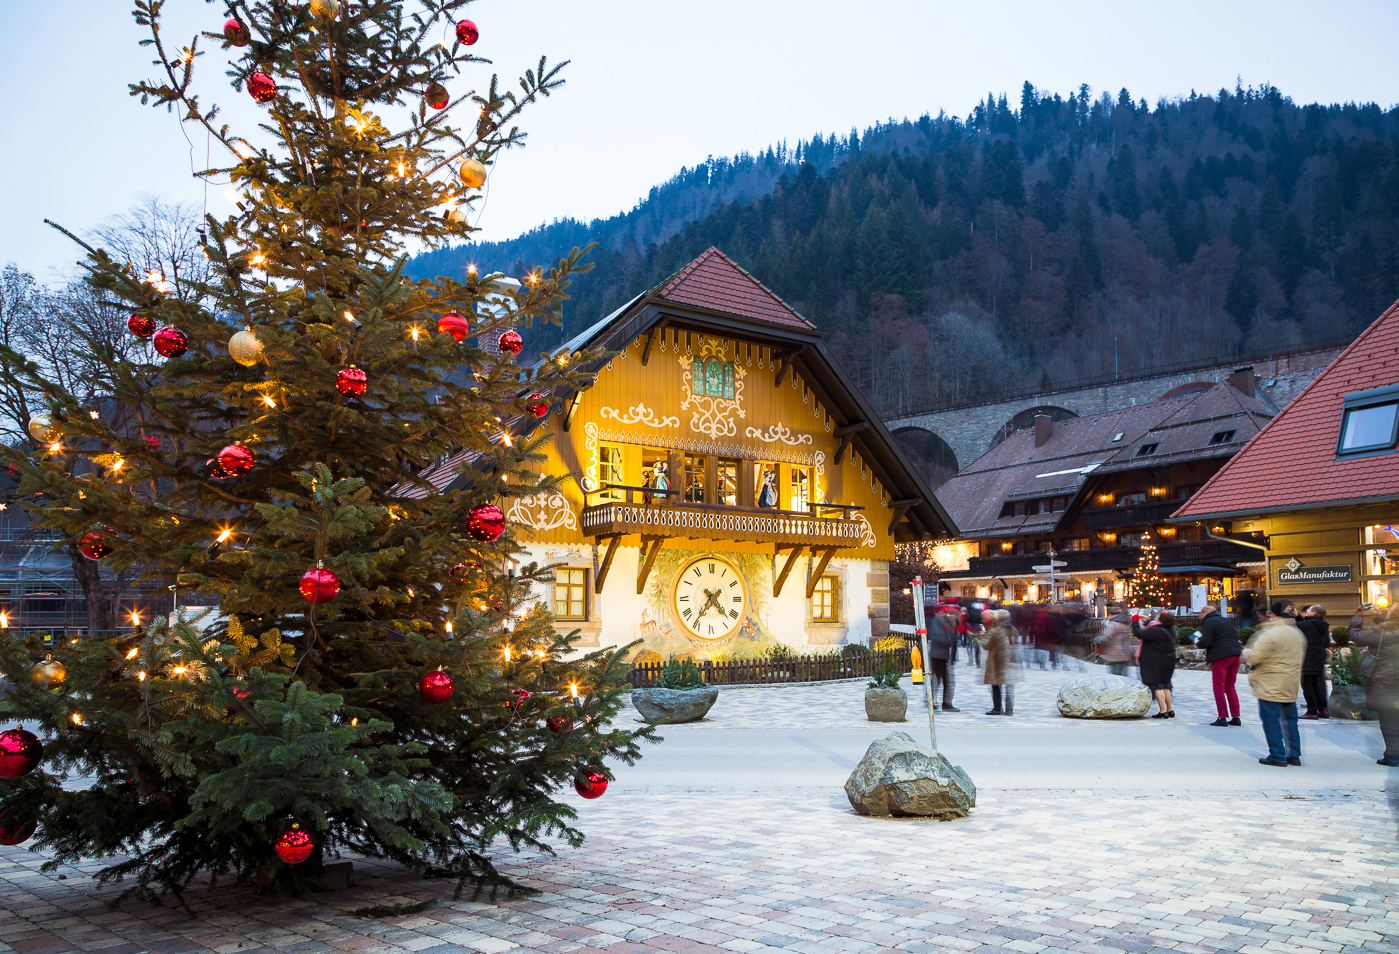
[101, 612]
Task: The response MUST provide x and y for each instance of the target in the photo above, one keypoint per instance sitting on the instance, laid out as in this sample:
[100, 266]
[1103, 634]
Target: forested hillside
[1035, 244]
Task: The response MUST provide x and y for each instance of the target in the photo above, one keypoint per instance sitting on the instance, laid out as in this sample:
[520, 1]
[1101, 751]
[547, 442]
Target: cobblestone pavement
[793, 869]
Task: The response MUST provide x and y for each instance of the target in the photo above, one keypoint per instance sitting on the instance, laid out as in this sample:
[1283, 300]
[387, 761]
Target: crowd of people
[1286, 655]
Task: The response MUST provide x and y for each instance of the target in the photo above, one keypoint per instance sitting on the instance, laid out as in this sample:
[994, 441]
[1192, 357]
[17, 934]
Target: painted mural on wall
[707, 604]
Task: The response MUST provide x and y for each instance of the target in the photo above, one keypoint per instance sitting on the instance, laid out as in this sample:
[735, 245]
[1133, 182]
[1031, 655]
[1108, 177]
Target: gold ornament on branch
[42, 429]
[473, 173]
[245, 347]
[325, 9]
[50, 673]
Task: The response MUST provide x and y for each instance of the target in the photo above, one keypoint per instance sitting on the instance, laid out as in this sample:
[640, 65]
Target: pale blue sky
[657, 84]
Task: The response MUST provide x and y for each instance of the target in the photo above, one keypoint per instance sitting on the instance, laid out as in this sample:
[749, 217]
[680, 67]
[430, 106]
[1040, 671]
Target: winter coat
[997, 642]
[1218, 638]
[1115, 643]
[1318, 635]
[1274, 657]
[1158, 658]
[942, 637]
[1382, 689]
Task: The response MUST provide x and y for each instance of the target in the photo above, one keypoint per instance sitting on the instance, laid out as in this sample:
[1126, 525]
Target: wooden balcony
[1206, 552]
[1140, 515]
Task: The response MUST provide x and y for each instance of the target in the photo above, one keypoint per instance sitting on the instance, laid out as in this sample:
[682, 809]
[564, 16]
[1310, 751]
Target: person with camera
[1156, 658]
[1382, 688]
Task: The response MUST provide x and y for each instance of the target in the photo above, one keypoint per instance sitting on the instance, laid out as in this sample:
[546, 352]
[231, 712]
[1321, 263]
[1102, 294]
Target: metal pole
[920, 624]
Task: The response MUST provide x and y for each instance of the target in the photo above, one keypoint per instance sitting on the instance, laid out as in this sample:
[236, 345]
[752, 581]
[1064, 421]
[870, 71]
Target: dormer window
[1222, 437]
[1146, 450]
[1369, 422]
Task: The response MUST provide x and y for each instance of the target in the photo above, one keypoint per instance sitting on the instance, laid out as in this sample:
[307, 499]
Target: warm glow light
[258, 259]
[77, 718]
[507, 653]
[415, 334]
[410, 591]
[178, 670]
[354, 722]
[400, 170]
[55, 447]
[4, 621]
[141, 676]
[92, 414]
[224, 535]
[573, 689]
[135, 650]
[471, 269]
[268, 401]
[135, 621]
[505, 436]
[349, 317]
[449, 629]
[118, 465]
[1382, 601]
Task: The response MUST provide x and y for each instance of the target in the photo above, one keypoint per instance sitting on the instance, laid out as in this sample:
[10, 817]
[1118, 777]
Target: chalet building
[729, 488]
[1320, 484]
[1094, 489]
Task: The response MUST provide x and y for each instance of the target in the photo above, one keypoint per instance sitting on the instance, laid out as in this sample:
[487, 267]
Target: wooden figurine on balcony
[728, 489]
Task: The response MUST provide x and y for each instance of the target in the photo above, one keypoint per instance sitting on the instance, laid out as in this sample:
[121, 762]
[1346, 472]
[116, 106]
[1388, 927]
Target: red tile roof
[1292, 463]
[715, 283]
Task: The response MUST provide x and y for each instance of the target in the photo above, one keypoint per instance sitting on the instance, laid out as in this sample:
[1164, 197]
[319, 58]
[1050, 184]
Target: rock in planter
[898, 776]
[885, 705]
[1348, 702]
[668, 706]
[1104, 697]
[1187, 658]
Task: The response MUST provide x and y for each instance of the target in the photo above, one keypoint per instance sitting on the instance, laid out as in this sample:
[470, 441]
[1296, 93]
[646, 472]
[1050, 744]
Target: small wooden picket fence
[745, 672]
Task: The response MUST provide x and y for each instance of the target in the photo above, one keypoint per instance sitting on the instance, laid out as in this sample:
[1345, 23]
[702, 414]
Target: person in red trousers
[1220, 641]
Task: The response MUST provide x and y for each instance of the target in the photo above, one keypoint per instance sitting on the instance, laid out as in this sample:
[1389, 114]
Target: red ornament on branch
[559, 724]
[351, 381]
[520, 696]
[319, 585]
[453, 324]
[16, 833]
[485, 522]
[94, 546]
[590, 784]
[238, 694]
[467, 34]
[216, 471]
[437, 96]
[235, 32]
[261, 88]
[435, 687]
[171, 342]
[236, 460]
[20, 751]
[140, 326]
[295, 845]
[537, 404]
[512, 342]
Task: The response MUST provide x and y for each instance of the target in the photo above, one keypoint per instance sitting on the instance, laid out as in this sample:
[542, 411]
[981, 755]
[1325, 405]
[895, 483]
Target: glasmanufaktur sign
[1293, 572]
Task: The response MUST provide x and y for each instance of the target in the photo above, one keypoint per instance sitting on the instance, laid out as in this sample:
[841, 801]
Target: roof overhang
[1285, 508]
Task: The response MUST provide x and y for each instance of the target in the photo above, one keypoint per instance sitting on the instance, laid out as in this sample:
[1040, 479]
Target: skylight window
[1222, 437]
[1146, 450]
[1370, 422]
[1116, 437]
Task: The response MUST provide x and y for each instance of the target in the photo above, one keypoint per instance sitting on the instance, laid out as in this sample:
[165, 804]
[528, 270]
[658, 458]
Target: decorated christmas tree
[317, 447]
[1148, 586]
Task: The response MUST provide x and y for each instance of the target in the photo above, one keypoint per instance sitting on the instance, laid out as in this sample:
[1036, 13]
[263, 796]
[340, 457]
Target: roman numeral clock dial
[710, 599]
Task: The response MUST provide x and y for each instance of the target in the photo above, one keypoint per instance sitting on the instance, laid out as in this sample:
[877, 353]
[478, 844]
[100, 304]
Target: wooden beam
[797, 551]
[846, 435]
[600, 573]
[787, 360]
[572, 409]
[901, 507]
[826, 555]
[656, 332]
[651, 546]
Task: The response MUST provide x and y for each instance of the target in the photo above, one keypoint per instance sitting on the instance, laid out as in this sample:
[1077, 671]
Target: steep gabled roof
[713, 282]
[1181, 427]
[1292, 463]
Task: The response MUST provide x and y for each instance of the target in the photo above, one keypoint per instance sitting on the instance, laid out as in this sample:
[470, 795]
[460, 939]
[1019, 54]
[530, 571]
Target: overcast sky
[658, 84]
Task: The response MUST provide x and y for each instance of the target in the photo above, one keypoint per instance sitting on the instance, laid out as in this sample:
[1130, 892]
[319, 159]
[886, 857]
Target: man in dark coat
[1313, 625]
[1220, 641]
[1157, 662]
[942, 652]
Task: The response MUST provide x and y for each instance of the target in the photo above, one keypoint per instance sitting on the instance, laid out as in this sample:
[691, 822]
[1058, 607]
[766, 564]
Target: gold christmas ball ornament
[41, 428]
[49, 673]
[473, 173]
[245, 348]
[455, 217]
[325, 9]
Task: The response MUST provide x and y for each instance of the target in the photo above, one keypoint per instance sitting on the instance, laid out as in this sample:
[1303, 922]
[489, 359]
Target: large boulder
[1348, 702]
[898, 776]
[1188, 658]
[1104, 697]
[668, 706]
[885, 705]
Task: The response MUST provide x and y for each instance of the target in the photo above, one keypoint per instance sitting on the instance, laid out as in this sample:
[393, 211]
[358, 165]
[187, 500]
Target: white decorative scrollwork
[867, 539]
[819, 458]
[590, 443]
[779, 432]
[639, 414]
[542, 512]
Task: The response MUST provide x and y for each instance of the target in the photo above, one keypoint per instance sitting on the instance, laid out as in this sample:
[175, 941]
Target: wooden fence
[790, 669]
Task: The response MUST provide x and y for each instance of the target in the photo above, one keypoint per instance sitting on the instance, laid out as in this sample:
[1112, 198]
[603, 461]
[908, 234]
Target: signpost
[920, 625]
[1051, 568]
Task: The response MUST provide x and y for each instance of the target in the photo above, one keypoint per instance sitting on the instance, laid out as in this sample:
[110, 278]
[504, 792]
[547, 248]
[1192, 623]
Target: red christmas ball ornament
[16, 833]
[512, 342]
[351, 381]
[216, 471]
[520, 696]
[237, 460]
[485, 522]
[235, 32]
[467, 34]
[295, 845]
[94, 546]
[238, 694]
[459, 568]
[590, 784]
[140, 326]
[437, 96]
[559, 724]
[20, 751]
[261, 88]
[435, 687]
[453, 324]
[537, 404]
[152, 442]
[171, 342]
[319, 585]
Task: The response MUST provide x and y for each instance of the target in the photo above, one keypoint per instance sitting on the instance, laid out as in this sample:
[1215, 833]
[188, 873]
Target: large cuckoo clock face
[710, 598]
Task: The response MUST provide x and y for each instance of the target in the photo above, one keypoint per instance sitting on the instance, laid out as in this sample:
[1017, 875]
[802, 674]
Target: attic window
[1146, 450]
[1370, 422]
[1116, 437]
[1222, 437]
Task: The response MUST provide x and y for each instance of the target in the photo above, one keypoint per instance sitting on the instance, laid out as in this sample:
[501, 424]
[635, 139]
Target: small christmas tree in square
[1148, 586]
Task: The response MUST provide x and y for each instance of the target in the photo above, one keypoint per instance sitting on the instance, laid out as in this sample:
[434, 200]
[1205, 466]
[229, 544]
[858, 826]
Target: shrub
[887, 677]
[1185, 635]
[1340, 635]
[1245, 634]
[1347, 667]
[887, 644]
[680, 674]
[855, 649]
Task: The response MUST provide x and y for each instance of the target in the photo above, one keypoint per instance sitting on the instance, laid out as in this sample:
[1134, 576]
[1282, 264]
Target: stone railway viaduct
[971, 430]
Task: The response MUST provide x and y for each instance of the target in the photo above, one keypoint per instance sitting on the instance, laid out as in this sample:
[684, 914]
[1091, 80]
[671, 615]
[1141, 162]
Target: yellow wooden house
[730, 488]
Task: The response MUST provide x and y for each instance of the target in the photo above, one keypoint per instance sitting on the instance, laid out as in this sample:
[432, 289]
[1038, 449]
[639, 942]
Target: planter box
[670, 706]
[885, 705]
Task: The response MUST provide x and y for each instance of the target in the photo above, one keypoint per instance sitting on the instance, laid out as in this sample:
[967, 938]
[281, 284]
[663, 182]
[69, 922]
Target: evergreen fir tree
[230, 479]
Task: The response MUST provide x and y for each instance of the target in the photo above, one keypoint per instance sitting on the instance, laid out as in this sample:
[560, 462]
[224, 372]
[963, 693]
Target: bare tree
[160, 238]
[19, 294]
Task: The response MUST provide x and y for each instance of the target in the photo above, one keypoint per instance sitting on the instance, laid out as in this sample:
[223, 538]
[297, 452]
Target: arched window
[714, 378]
